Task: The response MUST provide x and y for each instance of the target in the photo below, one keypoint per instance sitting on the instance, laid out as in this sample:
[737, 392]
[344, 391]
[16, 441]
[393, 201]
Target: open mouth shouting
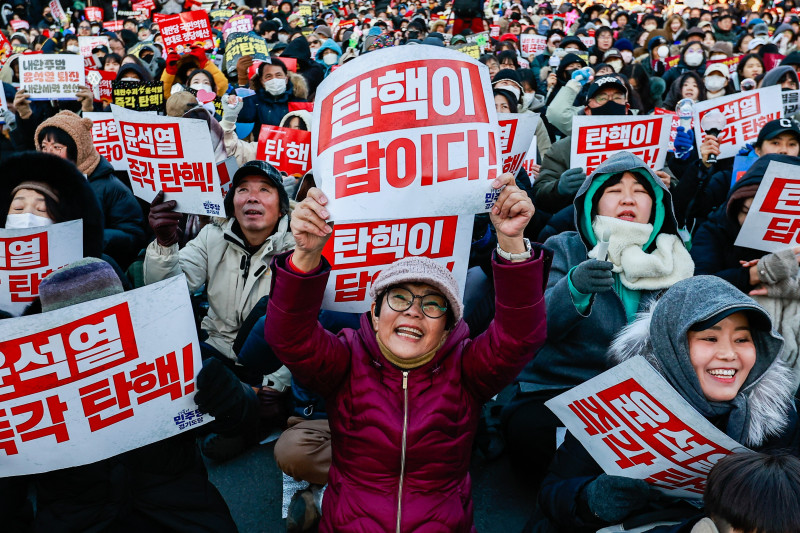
[409, 333]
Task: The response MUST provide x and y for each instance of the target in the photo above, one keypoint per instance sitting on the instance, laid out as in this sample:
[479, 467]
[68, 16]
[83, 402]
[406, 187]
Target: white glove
[231, 106]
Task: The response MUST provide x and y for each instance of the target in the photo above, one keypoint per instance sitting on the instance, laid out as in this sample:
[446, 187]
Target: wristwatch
[516, 257]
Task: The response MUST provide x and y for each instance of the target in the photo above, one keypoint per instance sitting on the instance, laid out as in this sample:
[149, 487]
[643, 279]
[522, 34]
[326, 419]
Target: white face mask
[693, 58]
[330, 59]
[716, 57]
[129, 79]
[26, 220]
[663, 51]
[616, 64]
[714, 83]
[74, 49]
[627, 56]
[650, 27]
[510, 88]
[527, 98]
[275, 86]
[282, 37]
[201, 87]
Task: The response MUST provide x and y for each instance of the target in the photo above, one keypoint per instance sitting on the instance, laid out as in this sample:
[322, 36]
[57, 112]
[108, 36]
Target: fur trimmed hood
[659, 334]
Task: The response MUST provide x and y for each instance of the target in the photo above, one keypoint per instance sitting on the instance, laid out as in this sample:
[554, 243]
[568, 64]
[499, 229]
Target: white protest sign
[532, 44]
[105, 136]
[635, 425]
[791, 102]
[358, 251]
[587, 41]
[173, 155]
[57, 11]
[595, 139]
[746, 114]
[773, 221]
[529, 164]
[28, 255]
[517, 134]
[93, 380]
[88, 43]
[3, 105]
[406, 131]
[51, 76]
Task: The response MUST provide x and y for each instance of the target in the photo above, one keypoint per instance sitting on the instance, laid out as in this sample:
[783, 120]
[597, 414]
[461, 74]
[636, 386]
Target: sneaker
[303, 514]
[221, 448]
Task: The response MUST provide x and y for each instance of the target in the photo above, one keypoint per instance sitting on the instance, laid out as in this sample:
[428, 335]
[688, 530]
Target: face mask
[627, 56]
[693, 58]
[513, 90]
[609, 108]
[282, 37]
[717, 57]
[200, 87]
[74, 49]
[616, 64]
[330, 59]
[663, 51]
[129, 79]
[527, 98]
[714, 83]
[95, 30]
[649, 27]
[275, 86]
[26, 220]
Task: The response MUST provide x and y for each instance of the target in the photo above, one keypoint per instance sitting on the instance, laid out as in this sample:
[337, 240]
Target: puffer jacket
[234, 279]
[402, 440]
[264, 108]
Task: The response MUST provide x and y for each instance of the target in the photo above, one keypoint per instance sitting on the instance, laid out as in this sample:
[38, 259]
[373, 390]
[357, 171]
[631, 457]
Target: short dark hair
[54, 134]
[755, 492]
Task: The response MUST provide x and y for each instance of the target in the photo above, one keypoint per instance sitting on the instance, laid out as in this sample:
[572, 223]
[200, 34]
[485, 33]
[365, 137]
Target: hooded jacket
[264, 108]
[713, 250]
[773, 76]
[418, 425]
[308, 68]
[763, 415]
[577, 341]
[672, 74]
[235, 279]
[329, 44]
[123, 233]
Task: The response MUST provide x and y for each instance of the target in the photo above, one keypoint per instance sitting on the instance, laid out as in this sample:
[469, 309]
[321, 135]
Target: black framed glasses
[400, 299]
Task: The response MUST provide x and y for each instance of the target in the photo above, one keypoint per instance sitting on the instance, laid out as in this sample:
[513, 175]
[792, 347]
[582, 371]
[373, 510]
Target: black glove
[613, 498]
[593, 276]
[570, 181]
[164, 220]
[220, 393]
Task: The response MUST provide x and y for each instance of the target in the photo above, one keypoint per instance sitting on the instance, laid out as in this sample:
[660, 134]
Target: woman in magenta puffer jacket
[404, 393]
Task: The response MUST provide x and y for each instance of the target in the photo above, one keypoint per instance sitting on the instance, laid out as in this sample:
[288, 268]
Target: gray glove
[778, 266]
[570, 181]
[613, 498]
[230, 114]
[592, 276]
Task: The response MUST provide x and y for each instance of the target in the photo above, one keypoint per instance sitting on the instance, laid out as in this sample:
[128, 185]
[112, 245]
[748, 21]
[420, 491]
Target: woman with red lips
[720, 352]
[404, 393]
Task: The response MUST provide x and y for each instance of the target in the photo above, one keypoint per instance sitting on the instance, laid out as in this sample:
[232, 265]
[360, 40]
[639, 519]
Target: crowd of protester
[381, 413]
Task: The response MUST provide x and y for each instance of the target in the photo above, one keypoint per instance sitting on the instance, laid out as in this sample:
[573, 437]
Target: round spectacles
[618, 98]
[401, 299]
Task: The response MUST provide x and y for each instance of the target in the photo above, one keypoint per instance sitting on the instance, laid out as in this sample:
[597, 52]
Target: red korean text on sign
[171, 177]
[161, 141]
[185, 29]
[105, 136]
[286, 149]
[67, 353]
[26, 422]
[746, 107]
[783, 198]
[24, 253]
[638, 429]
[110, 399]
[417, 94]
[638, 138]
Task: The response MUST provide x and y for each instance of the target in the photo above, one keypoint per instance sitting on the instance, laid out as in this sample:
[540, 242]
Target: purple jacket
[368, 403]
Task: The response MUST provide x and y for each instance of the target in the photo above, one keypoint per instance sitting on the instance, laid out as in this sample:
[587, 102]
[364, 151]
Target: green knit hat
[84, 280]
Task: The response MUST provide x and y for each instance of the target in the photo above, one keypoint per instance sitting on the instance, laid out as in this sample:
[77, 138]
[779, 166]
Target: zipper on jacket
[245, 265]
[403, 449]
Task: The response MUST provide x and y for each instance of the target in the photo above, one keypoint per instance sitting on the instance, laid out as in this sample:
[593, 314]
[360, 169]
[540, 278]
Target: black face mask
[610, 108]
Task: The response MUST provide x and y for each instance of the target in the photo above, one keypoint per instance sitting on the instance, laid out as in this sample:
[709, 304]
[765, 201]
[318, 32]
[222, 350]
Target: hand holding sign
[510, 214]
[22, 103]
[613, 498]
[310, 230]
[164, 220]
[86, 98]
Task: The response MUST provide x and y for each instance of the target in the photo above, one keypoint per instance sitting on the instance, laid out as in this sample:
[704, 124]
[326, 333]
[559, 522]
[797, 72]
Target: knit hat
[80, 129]
[84, 280]
[37, 186]
[257, 168]
[417, 269]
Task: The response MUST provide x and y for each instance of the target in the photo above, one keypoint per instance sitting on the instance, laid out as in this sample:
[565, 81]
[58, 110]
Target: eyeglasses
[618, 98]
[82, 27]
[401, 299]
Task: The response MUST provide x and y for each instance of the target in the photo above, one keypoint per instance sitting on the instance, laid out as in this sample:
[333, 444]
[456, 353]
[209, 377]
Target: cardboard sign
[472, 50]
[93, 14]
[286, 149]
[773, 222]
[746, 114]
[673, 129]
[358, 251]
[245, 44]
[56, 10]
[532, 44]
[52, 76]
[635, 425]
[730, 62]
[19, 24]
[494, 31]
[183, 30]
[587, 41]
[305, 10]
[237, 24]
[791, 103]
[89, 43]
[174, 155]
[406, 132]
[226, 169]
[139, 95]
[105, 137]
[96, 379]
[221, 13]
[481, 39]
[595, 139]
[28, 255]
[517, 134]
[114, 25]
[101, 84]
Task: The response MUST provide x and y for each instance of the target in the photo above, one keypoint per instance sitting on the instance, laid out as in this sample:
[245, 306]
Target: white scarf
[669, 263]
